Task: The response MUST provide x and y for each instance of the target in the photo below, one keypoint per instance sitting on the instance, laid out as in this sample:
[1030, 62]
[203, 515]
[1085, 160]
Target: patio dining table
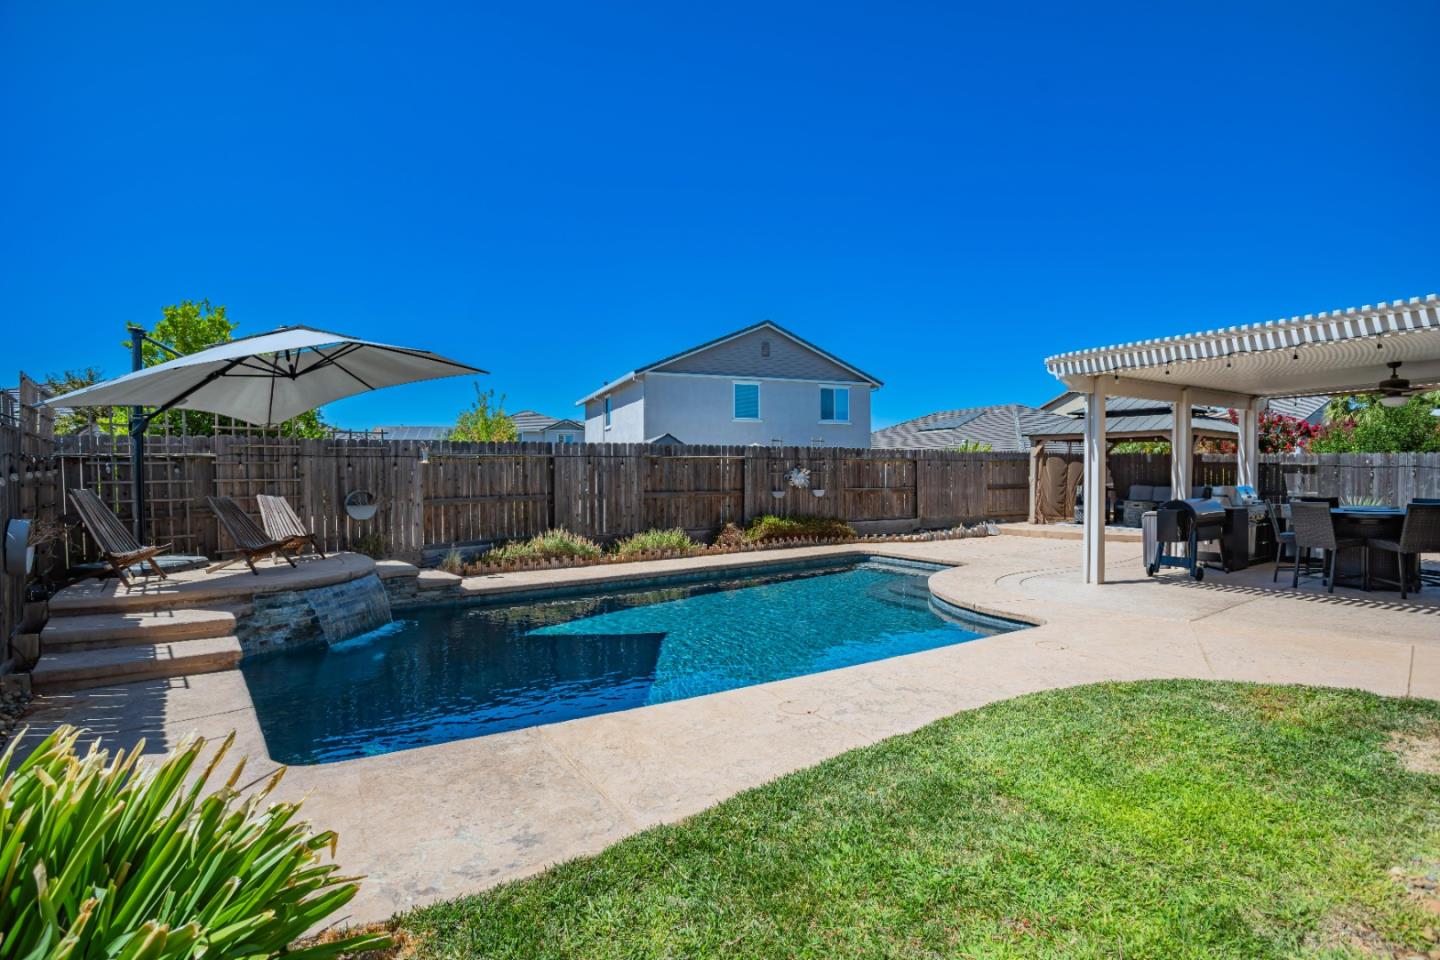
[1369, 523]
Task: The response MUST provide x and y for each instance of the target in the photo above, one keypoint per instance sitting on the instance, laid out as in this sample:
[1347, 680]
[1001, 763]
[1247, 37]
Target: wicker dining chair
[1420, 534]
[1284, 539]
[1315, 530]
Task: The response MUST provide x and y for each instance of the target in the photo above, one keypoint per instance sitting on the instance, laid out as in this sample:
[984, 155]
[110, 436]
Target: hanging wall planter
[19, 554]
[361, 505]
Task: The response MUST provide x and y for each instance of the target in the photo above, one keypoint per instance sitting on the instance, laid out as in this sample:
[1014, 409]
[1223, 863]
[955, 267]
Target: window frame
[836, 390]
[759, 411]
[607, 413]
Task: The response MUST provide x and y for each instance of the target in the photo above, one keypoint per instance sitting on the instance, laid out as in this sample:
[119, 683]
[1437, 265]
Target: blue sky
[558, 192]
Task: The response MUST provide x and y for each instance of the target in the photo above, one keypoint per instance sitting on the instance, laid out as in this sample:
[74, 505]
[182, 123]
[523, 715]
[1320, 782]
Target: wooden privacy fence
[1394, 478]
[435, 494]
[28, 487]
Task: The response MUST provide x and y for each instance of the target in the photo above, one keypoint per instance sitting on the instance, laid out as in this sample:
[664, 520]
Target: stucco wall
[627, 416]
[699, 410]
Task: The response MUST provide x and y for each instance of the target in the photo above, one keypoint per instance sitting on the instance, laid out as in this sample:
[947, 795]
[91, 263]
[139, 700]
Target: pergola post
[1247, 449]
[1182, 448]
[1094, 479]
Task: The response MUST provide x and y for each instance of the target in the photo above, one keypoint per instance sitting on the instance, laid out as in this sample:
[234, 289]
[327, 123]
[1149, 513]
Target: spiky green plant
[552, 543]
[123, 859]
[649, 541]
[453, 561]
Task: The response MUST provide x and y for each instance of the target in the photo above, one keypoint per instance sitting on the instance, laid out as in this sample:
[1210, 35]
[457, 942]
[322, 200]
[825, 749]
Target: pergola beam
[1160, 392]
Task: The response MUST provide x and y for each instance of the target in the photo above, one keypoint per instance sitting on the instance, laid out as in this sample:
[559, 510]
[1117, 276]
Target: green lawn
[1165, 820]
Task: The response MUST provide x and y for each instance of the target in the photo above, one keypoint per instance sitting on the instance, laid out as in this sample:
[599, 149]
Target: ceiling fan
[1394, 390]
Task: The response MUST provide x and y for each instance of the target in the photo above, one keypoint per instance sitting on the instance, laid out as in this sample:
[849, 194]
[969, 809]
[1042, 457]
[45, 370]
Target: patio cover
[1343, 351]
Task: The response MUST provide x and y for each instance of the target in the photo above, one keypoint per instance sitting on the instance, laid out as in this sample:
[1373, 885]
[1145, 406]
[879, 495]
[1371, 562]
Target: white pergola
[1344, 351]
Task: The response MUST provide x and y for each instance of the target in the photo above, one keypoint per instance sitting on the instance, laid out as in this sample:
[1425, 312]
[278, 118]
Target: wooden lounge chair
[282, 523]
[252, 542]
[117, 545]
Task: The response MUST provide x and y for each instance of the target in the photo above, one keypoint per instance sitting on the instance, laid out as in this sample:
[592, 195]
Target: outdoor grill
[1187, 522]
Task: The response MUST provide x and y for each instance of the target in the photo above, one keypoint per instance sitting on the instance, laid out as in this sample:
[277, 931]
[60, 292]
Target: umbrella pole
[138, 423]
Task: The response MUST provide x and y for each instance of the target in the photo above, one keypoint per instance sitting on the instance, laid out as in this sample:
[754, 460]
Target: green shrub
[551, 543]
[653, 540]
[453, 561]
[771, 527]
[102, 859]
[372, 544]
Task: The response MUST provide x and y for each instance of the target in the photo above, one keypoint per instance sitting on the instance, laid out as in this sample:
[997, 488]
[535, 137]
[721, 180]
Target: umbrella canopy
[268, 378]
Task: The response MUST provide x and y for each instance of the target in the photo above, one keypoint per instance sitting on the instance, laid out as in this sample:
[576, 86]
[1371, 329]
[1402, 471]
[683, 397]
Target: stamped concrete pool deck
[450, 819]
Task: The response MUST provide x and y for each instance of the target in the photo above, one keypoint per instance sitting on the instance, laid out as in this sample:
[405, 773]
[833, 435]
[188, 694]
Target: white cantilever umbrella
[268, 378]
[265, 379]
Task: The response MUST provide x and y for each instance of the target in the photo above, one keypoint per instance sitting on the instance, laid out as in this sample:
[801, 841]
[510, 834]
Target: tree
[78, 419]
[485, 421]
[188, 327]
[972, 446]
[1362, 424]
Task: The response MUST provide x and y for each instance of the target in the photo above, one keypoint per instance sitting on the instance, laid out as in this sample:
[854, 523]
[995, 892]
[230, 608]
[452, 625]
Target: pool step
[77, 669]
[94, 631]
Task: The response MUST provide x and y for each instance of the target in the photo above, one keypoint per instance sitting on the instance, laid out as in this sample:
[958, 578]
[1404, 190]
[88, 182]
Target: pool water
[453, 672]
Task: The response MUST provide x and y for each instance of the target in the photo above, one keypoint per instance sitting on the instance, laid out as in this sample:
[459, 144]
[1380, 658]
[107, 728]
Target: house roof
[415, 433]
[1005, 427]
[531, 421]
[1311, 409]
[762, 325]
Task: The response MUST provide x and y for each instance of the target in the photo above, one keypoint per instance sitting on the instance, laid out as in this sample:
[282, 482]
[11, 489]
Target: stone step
[78, 669]
[436, 580]
[92, 631]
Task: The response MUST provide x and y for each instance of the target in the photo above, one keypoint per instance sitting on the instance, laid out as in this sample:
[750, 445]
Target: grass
[1161, 819]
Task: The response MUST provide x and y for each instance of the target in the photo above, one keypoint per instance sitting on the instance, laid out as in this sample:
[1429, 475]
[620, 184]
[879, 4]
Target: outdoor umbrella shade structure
[268, 378]
[263, 379]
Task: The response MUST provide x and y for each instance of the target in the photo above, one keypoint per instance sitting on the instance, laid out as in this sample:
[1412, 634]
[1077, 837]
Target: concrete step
[91, 631]
[77, 669]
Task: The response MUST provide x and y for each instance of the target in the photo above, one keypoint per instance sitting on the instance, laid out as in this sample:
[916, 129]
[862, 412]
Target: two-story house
[760, 385]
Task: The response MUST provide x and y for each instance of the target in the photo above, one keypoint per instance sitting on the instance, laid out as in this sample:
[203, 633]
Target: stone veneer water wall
[329, 614]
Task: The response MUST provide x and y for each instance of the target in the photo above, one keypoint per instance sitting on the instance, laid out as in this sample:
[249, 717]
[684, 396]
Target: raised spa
[456, 671]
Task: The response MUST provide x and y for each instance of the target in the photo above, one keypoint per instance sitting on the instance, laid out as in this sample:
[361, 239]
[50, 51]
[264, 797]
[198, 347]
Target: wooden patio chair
[117, 545]
[252, 542]
[282, 523]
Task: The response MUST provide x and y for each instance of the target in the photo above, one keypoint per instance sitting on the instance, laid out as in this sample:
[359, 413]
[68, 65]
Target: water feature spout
[346, 610]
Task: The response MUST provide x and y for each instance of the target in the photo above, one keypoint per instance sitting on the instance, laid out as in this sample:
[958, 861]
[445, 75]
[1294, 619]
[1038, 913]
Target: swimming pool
[452, 672]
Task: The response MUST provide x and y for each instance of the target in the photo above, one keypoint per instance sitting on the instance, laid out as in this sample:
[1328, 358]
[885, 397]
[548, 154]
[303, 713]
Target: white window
[746, 401]
[835, 404]
[607, 413]
[564, 438]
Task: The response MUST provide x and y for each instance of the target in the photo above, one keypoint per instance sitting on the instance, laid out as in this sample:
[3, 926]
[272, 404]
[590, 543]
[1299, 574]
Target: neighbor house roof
[1310, 409]
[415, 433]
[762, 325]
[530, 421]
[1005, 427]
